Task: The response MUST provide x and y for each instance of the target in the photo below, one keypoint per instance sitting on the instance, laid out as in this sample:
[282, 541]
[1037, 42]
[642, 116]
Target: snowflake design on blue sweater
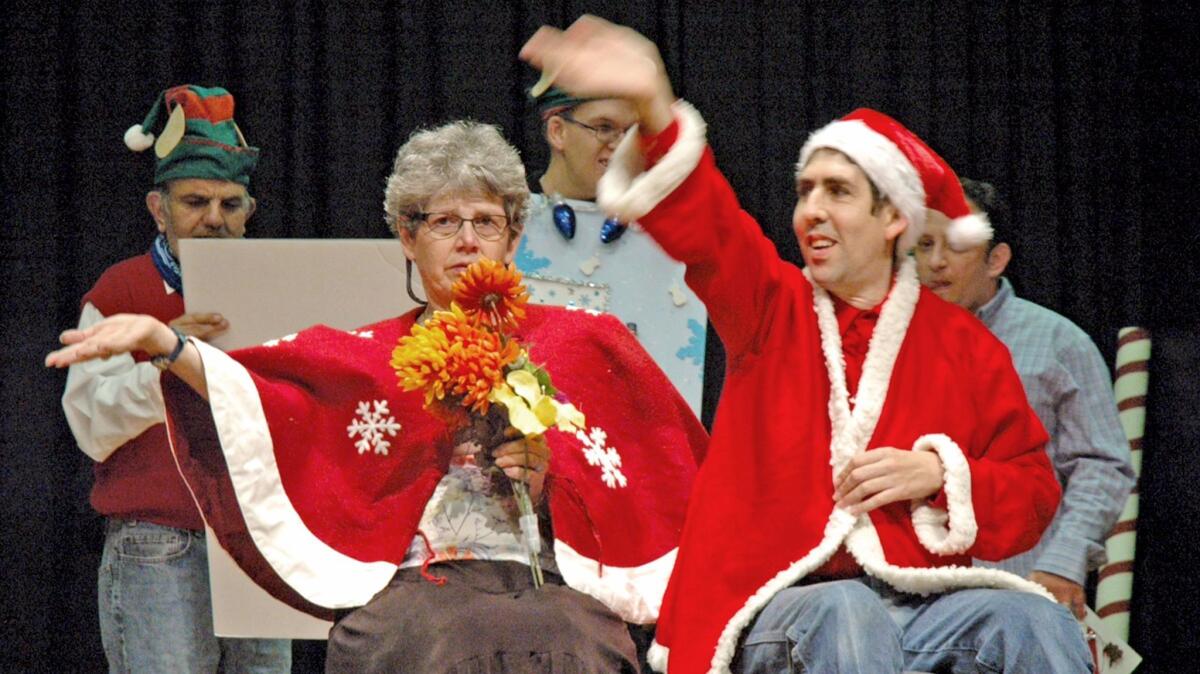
[694, 350]
[527, 261]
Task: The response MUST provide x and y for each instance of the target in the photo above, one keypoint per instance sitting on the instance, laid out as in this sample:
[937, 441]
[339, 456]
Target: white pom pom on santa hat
[137, 140]
[969, 231]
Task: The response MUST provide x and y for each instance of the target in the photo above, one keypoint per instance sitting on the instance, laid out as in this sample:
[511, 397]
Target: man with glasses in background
[154, 598]
[573, 255]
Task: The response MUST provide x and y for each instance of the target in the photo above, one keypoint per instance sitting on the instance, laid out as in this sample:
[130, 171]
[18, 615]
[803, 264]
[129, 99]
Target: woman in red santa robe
[342, 495]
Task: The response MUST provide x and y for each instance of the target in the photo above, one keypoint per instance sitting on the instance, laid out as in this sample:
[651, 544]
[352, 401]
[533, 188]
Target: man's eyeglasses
[446, 225]
[607, 134]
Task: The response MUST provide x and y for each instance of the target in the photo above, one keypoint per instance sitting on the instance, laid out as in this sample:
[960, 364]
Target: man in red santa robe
[871, 438]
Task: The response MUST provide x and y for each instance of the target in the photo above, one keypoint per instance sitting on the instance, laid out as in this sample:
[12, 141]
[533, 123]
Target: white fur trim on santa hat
[137, 140]
[942, 532]
[969, 231]
[883, 163]
[628, 192]
[633, 592]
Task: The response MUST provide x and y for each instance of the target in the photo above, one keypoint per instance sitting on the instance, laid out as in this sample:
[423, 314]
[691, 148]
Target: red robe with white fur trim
[319, 511]
[762, 515]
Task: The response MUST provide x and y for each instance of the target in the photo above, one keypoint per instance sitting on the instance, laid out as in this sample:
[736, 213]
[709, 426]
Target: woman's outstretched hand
[115, 335]
[132, 333]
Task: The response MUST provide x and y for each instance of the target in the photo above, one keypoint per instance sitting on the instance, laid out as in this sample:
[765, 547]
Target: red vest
[139, 480]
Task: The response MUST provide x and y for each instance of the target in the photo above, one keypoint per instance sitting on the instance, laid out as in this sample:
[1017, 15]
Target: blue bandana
[165, 262]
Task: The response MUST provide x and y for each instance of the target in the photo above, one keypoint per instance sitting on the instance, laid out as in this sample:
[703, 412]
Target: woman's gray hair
[462, 158]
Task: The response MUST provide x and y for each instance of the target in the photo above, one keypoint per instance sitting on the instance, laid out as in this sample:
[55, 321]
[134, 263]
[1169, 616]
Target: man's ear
[156, 205]
[896, 221]
[556, 133]
[998, 259]
[253, 206]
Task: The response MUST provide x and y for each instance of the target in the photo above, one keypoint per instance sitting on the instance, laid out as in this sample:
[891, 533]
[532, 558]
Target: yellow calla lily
[531, 411]
[569, 418]
[525, 385]
[520, 416]
[545, 410]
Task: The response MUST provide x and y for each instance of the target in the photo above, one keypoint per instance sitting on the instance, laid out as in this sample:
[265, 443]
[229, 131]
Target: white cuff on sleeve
[952, 531]
[627, 191]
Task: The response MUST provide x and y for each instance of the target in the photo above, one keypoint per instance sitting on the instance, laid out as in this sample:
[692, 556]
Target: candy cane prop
[1130, 386]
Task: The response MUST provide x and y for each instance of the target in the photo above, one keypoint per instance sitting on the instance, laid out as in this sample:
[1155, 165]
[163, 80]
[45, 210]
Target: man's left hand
[1066, 591]
[201, 325]
[885, 475]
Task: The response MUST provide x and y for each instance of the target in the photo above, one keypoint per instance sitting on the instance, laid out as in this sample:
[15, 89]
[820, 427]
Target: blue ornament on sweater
[612, 230]
[564, 219]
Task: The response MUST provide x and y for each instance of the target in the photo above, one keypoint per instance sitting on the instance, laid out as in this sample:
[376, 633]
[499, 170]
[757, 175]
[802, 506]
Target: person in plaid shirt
[1068, 387]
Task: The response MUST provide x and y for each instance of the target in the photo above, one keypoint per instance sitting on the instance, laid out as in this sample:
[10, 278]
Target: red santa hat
[906, 170]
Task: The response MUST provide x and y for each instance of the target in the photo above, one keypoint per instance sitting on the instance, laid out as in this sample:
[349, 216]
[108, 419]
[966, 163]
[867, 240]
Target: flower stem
[529, 529]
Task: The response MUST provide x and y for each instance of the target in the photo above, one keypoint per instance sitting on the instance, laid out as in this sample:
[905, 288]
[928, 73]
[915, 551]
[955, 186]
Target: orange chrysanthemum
[420, 361]
[492, 291]
[453, 355]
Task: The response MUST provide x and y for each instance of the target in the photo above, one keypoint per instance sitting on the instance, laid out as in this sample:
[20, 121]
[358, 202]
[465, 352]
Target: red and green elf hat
[555, 101]
[200, 138]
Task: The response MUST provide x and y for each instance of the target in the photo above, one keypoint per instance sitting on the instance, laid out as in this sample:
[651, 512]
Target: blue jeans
[862, 625]
[156, 612]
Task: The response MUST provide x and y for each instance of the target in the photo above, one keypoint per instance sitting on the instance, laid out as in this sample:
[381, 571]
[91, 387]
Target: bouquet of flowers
[468, 364]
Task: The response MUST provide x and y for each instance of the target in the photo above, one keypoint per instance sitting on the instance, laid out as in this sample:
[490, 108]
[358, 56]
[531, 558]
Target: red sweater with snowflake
[313, 467]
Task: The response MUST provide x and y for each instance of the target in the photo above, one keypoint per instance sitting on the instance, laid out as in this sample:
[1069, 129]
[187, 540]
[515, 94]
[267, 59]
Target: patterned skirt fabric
[485, 619]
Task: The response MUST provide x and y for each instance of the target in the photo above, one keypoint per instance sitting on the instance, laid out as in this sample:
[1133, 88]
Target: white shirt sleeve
[109, 402]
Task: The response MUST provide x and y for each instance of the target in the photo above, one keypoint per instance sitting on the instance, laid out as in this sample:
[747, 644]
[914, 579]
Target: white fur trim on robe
[657, 656]
[942, 532]
[866, 548]
[852, 431]
[627, 191]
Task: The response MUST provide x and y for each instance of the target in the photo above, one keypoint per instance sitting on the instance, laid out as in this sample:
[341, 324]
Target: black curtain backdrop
[1084, 113]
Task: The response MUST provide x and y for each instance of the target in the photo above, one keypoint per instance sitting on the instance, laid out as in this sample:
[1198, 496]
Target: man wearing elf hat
[154, 600]
[871, 438]
[573, 254]
[1067, 384]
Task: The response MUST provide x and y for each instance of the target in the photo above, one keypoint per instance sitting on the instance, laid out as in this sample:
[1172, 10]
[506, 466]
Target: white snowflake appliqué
[371, 425]
[598, 453]
[365, 334]
[275, 342]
